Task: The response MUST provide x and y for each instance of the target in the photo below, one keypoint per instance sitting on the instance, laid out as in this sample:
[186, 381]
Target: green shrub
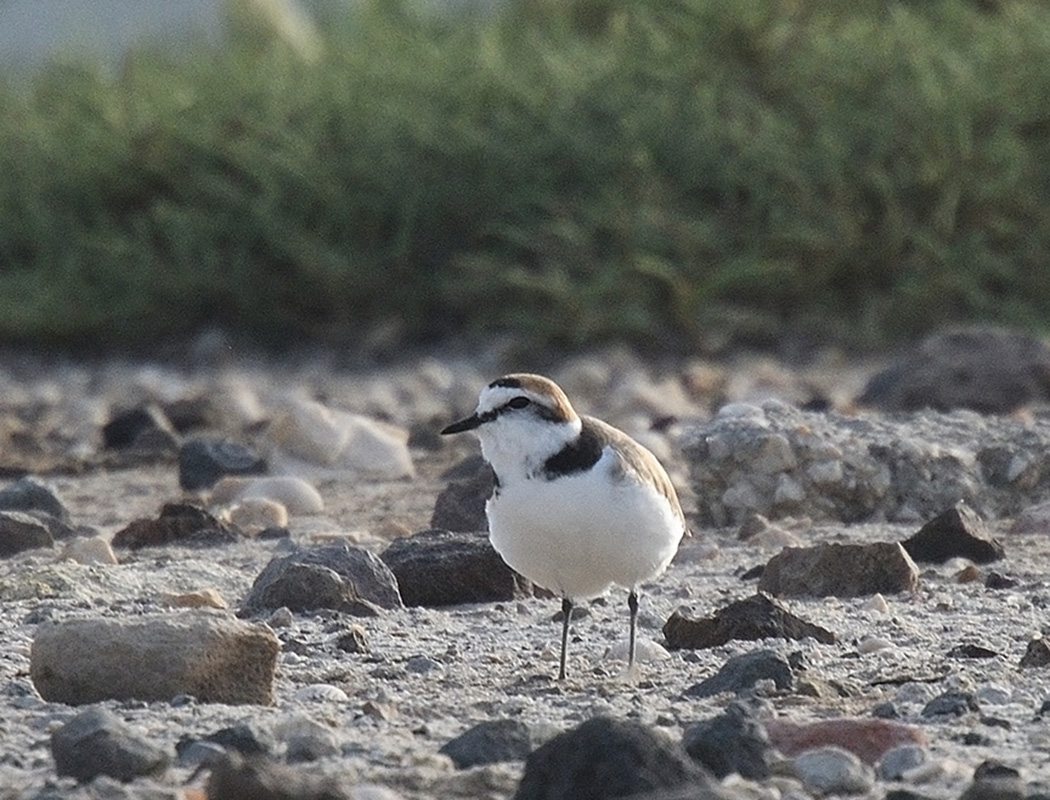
[565, 171]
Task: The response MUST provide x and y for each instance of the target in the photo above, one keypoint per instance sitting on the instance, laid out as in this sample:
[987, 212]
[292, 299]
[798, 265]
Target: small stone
[145, 428]
[178, 523]
[243, 738]
[202, 598]
[957, 532]
[840, 570]
[21, 531]
[993, 780]
[89, 550]
[996, 581]
[461, 505]
[490, 742]
[831, 771]
[898, 761]
[421, 665]
[237, 777]
[757, 617]
[154, 657]
[951, 704]
[971, 650]
[744, 671]
[1037, 654]
[295, 494]
[30, 493]
[353, 640]
[344, 578]
[321, 692]
[305, 739]
[202, 462]
[95, 742]
[255, 514]
[605, 758]
[439, 568]
[734, 741]
[1034, 519]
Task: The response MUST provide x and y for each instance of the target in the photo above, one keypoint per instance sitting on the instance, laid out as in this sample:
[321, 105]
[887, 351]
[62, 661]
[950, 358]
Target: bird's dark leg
[632, 604]
[566, 615]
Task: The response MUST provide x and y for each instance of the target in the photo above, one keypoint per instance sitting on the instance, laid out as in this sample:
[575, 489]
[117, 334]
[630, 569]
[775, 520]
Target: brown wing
[637, 459]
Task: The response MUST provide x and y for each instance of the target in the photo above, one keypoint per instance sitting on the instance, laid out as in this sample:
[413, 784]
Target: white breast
[580, 533]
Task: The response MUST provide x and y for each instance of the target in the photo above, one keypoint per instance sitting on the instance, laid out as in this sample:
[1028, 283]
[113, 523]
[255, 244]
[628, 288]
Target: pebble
[202, 462]
[89, 550]
[295, 494]
[31, 493]
[832, 770]
[95, 742]
[744, 671]
[490, 742]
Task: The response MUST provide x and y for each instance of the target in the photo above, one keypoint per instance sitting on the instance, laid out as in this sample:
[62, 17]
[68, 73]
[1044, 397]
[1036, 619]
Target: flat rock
[779, 461]
[868, 739]
[96, 742]
[990, 370]
[202, 462]
[21, 531]
[744, 671]
[734, 741]
[237, 777]
[757, 617]
[955, 533]
[442, 568]
[461, 504]
[344, 578]
[604, 758]
[840, 570]
[315, 434]
[214, 658]
[490, 742]
[144, 428]
[178, 523]
[30, 493]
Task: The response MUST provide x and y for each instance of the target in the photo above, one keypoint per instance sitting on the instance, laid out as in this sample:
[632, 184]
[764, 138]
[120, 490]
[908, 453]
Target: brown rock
[178, 523]
[212, 657]
[867, 739]
[957, 532]
[840, 570]
[756, 617]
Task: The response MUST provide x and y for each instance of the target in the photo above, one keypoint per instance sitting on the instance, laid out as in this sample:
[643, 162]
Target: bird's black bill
[468, 424]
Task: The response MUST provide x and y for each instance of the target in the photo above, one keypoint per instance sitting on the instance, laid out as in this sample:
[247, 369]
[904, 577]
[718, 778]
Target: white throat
[517, 447]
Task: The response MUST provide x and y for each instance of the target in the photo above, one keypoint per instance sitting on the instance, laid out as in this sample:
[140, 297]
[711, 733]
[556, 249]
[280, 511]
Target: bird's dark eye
[518, 402]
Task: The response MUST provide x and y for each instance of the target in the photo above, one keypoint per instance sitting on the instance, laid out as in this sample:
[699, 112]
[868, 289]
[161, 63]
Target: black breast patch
[578, 455]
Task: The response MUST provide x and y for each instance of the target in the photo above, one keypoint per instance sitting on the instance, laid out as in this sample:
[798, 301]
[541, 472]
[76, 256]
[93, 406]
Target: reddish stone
[868, 739]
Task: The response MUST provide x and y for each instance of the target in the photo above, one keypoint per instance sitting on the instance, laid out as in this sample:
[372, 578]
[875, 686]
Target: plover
[578, 505]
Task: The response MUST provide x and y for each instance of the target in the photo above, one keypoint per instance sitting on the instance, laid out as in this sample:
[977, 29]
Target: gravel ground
[431, 674]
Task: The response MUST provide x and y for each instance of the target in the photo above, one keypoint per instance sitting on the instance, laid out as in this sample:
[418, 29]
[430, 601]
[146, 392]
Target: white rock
[832, 770]
[89, 550]
[876, 603]
[645, 651]
[321, 691]
[294, 494]
[255, 513]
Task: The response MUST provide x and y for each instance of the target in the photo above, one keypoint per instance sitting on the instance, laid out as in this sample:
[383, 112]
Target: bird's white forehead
[540, 390]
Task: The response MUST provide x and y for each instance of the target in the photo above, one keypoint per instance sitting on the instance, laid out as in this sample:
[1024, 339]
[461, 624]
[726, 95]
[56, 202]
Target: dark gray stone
[237, 777]
[203, 461]
[951, 704]
[95, 742]
[178, 523]
[20, 531]
[461, 505]
[32, 494]
[143, 428]
[442, 568]
[343, 578]
[742, 672]
[731, 742]
[1036, 654]
[756, 617]
[490, 742]
[990, 370]
[604, 758]
[955, 533]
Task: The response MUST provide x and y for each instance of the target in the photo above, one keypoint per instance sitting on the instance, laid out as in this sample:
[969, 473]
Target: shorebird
[578, 505]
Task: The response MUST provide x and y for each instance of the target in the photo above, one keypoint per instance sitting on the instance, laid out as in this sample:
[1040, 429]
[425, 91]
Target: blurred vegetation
[852, 170]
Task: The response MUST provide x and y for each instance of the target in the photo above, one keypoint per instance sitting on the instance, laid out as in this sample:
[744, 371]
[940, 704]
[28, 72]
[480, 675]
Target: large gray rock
[991, 370]
[779, 461]
[348, 579]
[96, 742]
[215, 658]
